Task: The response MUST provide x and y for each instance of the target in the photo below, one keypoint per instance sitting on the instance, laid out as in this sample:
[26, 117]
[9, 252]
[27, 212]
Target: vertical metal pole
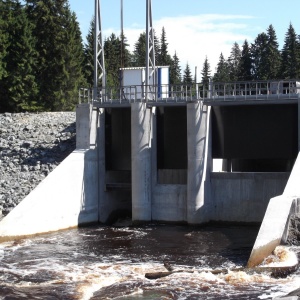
[121, 81]
[150, 50]
[196, 83]
[99, 65]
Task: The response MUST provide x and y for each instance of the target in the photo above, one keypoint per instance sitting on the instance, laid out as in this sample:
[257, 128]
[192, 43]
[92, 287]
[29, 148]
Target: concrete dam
[178, 156]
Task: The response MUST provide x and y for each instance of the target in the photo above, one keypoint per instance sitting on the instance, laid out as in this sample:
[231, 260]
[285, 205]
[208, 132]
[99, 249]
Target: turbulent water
[111, 262]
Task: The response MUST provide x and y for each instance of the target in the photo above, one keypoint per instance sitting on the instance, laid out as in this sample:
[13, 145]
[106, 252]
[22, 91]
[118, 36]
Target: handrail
[220, 91]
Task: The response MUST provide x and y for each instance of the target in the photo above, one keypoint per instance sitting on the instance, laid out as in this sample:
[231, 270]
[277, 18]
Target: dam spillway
[185, 156]
[164, 153]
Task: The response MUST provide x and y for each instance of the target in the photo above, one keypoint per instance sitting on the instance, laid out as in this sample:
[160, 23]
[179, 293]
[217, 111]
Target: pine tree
[175, 70]
[234, 61]
[187, 76]
[290, 55]
[222, 72]
[245, 71]
[18, 86]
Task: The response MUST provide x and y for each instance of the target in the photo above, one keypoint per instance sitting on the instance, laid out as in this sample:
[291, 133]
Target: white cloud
[195, 37]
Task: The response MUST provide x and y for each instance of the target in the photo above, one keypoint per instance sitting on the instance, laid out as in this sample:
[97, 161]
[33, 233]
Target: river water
[104, 262]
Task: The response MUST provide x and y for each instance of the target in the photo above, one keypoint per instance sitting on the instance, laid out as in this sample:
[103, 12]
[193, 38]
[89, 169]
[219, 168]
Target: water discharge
[110, 263]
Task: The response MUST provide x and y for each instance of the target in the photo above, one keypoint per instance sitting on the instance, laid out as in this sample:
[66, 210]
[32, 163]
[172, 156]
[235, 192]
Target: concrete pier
[141, 120]
[198, 162]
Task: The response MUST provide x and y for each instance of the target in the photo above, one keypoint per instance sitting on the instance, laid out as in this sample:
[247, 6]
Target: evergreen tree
[290, 55]
[53, 20]
[273, 54]
[156, 49]
[3, 38]
[234, 61]
[18, 88]
[175, 70]
[260, 57]
[164, 58]
[187, 75]
[139, 52]
[222, 72]
[206, 72]
[112, 55]
[73, 59]
[205, 76]
[88, 68]
[245, 71]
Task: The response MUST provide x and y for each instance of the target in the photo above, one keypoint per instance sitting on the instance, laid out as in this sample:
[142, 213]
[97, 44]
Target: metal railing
[142, 93]
[254, 90]
[214, 91]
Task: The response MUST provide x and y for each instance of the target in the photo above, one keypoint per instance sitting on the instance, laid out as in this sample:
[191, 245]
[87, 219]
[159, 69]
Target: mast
[99, 65]
[150, 49]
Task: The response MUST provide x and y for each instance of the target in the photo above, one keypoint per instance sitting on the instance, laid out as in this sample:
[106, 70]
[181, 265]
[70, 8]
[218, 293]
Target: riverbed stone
[31, 146]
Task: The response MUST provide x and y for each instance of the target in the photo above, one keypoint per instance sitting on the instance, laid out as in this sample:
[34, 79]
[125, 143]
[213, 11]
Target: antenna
[99, 65]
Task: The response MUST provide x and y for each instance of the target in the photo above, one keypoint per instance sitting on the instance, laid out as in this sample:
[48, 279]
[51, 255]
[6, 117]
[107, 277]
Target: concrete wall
[169, 203]
[243, 197]
[65, 198]
[68, 196]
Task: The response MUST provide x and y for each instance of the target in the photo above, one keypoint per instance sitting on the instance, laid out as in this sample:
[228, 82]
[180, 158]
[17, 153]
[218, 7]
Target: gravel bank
[31, 146]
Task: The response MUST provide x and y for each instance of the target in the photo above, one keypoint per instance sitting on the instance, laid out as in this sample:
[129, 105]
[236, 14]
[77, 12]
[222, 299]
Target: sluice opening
[118, 162]
[255, 138]
[172, 145]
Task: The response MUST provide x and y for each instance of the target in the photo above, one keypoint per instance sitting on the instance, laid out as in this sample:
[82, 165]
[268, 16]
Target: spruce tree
[139, 52]
[164, 58]
[234, 61]
[3, 39]
[290, 55]
[175, 70]
[112, 54]
[205, 77]
[206, 71]
[273, 54]
[88, 68]
[52, 22]
[245, 71]
[187, 75]
[222, 72]
[18, 88]
[260, 57]
[116, 56]
[73, 59]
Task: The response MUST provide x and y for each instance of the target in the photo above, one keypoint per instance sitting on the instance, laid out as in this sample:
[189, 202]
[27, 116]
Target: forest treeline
[44, 61]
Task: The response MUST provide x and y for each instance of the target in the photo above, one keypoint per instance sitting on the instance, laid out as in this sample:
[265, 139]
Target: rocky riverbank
[31, 146]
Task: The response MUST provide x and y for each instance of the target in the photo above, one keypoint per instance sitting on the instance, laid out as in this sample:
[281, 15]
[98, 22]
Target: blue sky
[195, 28]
